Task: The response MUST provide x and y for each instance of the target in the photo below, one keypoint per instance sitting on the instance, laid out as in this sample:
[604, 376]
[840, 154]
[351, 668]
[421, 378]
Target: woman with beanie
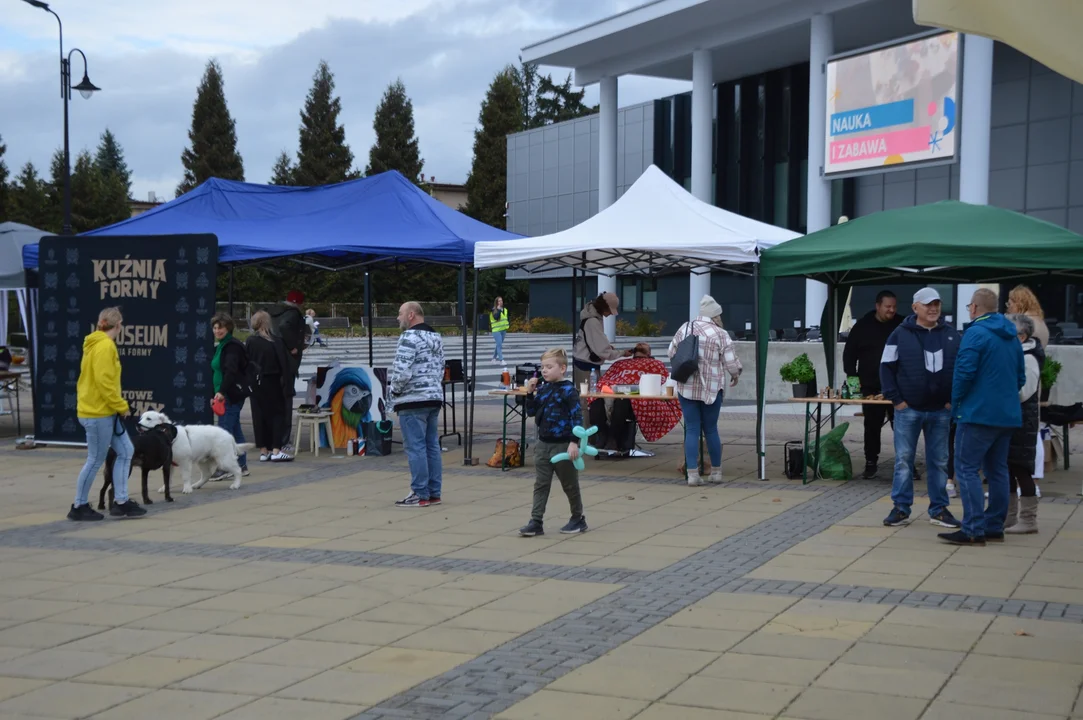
[701, 395]
[100, 409]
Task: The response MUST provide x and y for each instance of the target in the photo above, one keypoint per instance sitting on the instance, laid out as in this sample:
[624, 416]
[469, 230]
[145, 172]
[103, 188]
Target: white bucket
[650, 384]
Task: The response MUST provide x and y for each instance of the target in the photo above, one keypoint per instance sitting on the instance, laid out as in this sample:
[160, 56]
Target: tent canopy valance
[656, 227]
[375, 219]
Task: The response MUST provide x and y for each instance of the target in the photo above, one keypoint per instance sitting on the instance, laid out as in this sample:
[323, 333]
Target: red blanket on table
[655, 418]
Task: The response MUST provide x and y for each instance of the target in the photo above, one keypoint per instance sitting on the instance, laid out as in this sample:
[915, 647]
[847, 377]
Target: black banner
[165, 286]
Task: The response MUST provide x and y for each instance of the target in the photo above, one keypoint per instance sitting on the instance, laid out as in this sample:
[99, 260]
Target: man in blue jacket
[989, 372]
[915, 375]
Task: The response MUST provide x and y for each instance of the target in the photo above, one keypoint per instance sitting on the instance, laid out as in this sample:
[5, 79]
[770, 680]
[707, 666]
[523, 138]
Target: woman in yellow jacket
[100, 410]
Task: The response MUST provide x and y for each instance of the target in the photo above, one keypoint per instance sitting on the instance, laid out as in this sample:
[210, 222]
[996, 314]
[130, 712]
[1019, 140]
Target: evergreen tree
[557, 103]
[30, 202]
[526, 78]
[500, 116]
[396, 147]
[109, 159]
[213, 135]
[5, 210]
[282, 173]
[323, 157]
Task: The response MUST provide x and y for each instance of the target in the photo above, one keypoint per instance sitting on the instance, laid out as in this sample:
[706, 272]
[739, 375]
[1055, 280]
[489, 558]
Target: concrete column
[607, 174]
[821, 45]
[975, 131]
[699, 283]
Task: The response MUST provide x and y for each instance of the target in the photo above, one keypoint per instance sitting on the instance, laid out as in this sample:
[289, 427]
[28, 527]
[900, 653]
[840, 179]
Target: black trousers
[874, 426]
[269, 414]
[616, 432]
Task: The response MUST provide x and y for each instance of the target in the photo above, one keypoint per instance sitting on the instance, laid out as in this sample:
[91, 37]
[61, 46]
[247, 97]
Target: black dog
[153, 451]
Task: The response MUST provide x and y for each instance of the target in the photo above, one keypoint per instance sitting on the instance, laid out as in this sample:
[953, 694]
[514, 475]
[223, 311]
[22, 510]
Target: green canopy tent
[943, 243]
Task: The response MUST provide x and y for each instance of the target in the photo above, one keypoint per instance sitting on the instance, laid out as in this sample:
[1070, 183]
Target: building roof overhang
[658, 38]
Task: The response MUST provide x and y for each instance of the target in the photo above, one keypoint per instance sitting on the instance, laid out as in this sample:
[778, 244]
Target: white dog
[205, 447]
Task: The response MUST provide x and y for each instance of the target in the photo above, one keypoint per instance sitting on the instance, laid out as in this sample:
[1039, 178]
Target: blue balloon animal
[584, 447]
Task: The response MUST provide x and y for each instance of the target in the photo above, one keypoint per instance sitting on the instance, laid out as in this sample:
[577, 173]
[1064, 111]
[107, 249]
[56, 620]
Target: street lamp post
[85, 88]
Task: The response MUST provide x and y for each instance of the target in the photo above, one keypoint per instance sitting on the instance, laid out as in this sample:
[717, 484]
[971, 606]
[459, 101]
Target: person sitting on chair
[617, 425]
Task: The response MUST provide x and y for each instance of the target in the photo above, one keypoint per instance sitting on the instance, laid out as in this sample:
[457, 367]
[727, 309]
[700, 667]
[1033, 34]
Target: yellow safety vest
[502, 324]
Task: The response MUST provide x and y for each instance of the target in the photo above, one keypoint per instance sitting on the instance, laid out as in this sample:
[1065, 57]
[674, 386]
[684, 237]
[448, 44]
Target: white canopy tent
[655, 227]
[12, 277]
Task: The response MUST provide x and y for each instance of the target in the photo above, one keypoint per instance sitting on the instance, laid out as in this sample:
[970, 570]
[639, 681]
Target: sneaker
[896, 518]
[694, 479]
[945, 519]
[434, 500]
[961, 538]
[244, 471]
[287, 448]
[871, 468]
[84, 513]
[412, 500]
[575, 525]
[264, 457]
[531, 529]
[282, 456]
[220, 475]
[715, 477]
[128, 509]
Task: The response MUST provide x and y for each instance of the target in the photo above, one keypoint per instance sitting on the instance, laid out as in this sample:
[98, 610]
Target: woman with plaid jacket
[701, 395]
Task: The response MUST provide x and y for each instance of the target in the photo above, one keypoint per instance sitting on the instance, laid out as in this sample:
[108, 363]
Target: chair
[313, 421]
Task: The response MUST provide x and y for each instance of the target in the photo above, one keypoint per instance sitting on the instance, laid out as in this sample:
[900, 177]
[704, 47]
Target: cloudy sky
[148, 58]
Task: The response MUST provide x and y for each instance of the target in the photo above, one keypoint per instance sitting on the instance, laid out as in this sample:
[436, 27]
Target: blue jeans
[699, 417]
[99, 438]
[420, 436]
[498, 338]
[985, 448]
[231, 423]
[936, 426]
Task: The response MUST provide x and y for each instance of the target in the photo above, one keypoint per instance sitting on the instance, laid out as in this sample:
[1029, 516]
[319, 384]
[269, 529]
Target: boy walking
[314, 329]
[555, 407]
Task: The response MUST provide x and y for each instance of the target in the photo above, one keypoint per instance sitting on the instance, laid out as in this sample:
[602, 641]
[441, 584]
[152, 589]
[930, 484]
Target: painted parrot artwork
[354, 396]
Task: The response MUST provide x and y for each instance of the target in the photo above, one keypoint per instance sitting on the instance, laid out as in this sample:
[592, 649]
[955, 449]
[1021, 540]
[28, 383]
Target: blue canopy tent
[383, 219]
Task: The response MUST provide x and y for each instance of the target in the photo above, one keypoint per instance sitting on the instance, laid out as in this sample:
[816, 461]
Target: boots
[1028, 517]
[1013, 511]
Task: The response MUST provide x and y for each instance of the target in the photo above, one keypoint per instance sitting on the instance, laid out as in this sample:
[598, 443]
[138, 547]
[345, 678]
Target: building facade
[765, 123]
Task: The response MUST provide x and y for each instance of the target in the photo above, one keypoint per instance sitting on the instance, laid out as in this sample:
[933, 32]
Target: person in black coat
[269, 416]
[1022, 518]
[227, 368]
[861, 359]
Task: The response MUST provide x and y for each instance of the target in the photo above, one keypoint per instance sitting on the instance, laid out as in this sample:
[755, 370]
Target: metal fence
[356, 311]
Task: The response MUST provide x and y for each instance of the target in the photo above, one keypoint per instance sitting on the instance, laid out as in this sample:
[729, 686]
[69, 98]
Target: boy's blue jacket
[989, 372]
[555, 407]
[917, 365]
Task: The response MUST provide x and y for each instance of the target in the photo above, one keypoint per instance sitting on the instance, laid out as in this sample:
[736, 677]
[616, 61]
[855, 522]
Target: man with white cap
[916, 375]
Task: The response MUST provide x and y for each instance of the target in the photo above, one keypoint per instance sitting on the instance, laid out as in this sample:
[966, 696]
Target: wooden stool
[313, 421]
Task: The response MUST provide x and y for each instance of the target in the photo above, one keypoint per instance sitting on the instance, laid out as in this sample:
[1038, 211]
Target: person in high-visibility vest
[499, 324]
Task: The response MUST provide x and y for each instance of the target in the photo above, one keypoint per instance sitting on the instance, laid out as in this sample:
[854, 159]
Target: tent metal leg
[575, 313]
[229, 297]
[471, 380]
[368, 314]
[761, 391]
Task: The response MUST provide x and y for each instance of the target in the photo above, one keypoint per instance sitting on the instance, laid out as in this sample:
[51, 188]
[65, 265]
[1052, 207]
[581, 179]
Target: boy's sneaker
[434, 500]
[945, 519]
[84, 513]
[961, 538]
[896, 518]
[531, 529]
[127, 509]
[244, 471]
[412, 500]
[575, 525]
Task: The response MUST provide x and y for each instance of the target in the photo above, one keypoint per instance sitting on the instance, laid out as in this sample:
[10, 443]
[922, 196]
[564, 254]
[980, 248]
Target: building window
[629, 295]
[650, 295]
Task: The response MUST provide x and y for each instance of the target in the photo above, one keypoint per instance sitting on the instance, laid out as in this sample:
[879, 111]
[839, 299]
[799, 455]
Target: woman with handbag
[702, 353]
[101, 409]
[592, 346]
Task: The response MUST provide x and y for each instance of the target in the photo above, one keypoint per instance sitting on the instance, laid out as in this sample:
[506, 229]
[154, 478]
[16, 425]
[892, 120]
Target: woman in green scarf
[227, 367]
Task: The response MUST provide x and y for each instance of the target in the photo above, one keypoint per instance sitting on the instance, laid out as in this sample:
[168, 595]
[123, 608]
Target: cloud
[148, 59]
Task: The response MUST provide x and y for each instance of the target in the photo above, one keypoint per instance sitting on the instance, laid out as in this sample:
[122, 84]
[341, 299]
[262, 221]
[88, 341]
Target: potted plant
[802, 374]
[1050, 372]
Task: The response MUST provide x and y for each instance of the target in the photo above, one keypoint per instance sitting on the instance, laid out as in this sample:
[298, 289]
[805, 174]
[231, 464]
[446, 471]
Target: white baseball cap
[926, 295]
